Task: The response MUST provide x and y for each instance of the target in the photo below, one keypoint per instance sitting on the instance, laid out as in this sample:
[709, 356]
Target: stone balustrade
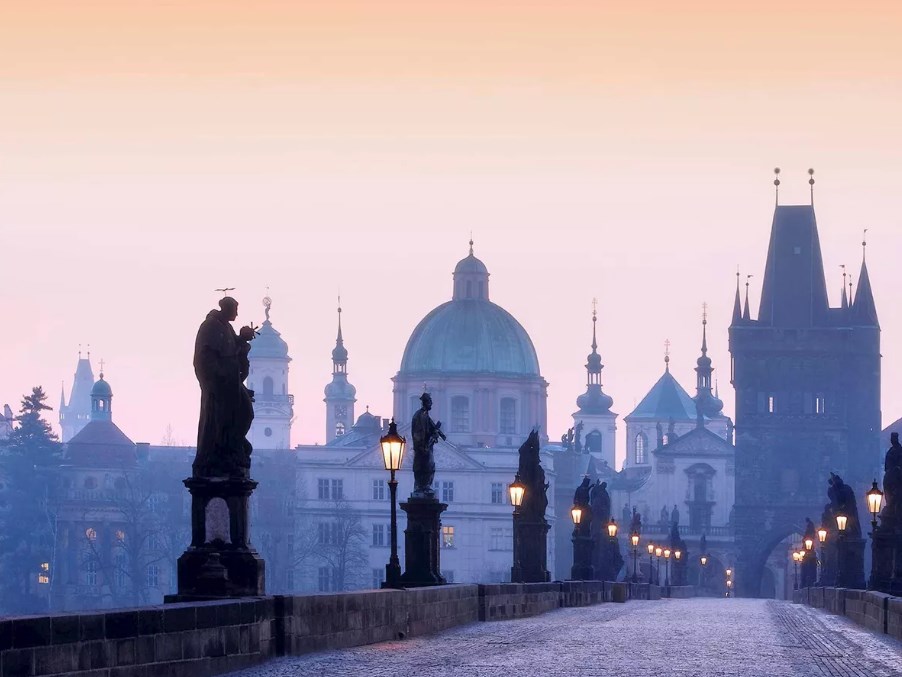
[873, 610]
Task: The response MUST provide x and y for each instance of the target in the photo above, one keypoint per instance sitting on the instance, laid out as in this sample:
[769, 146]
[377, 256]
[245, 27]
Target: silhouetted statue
[425, 433]
[660, 434]
[532, 475]
[625, 515]
[842, 500]
[636, 522]
[892, 483]
[665, 517]
[226, 405]
[578, 439]
[581, 495]
[675, 515]
[567, 440]
[601, 504]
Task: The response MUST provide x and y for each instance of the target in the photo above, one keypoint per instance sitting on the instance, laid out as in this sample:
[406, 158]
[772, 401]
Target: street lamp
[612, 528]
[875, 499]
[729, 586]
[582, 569]
[634, 539]
[667, 567]
[701, 570]
[651, 562]
[577, 514]
[841, 523]
[822, 560]
[393, 446]
[659, 553]
[517, 490]
[795, 569]
[809, 543]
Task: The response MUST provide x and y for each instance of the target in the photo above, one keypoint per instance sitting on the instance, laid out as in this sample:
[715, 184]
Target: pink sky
[150, 152]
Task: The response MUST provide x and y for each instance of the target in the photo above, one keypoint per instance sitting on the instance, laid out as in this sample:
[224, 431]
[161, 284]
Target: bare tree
[341, 546]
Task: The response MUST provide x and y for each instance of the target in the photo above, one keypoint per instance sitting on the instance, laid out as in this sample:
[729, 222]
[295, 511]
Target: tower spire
[594, 400]
[811, 184]
[777, 186]
[706, 403]
[667, 355]
[737, 303]
[746, 314]
[864, 310]
[845, 298]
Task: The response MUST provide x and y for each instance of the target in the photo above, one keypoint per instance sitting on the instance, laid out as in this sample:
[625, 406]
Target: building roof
[269, 343]
[101, 388]
[666, 400]
[101, 444]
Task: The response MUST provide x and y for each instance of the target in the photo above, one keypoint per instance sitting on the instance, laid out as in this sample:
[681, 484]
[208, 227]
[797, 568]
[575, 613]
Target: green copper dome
[470, 336]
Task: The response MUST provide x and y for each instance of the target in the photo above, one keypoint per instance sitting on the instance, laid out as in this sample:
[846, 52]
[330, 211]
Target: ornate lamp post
[667, 567]
[659, 553]
[701, 570]
[582, 549]
[795, 569]
[841, 522]
[875, 500]
[822, 538]
[651, 563]
[612, 529]
[517, 490]
[729, 587]
[634, 539]
[393, 446]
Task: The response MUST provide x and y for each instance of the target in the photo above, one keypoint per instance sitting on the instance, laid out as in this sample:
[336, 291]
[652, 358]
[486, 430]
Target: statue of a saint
[532, 475]
[892, 483]
[665, 517]
[226, 409]
[425, 433]
[675, 515]
[601, 504]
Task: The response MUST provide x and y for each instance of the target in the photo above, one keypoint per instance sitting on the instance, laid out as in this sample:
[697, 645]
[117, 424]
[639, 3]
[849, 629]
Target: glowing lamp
[875, 499]
[612, 528]
[392, 447]
[841, 521]
[517, 490]
[577, 514]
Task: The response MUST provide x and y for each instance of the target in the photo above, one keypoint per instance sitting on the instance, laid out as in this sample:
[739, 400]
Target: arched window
[267, 385]
[641, 443]
[508, 416]
[593, 442]
[460, 414]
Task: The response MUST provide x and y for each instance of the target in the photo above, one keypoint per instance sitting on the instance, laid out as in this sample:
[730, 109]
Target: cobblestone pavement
[697, 637]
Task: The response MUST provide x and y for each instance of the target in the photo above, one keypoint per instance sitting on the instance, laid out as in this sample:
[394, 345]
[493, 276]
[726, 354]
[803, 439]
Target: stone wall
[873, 610]
[209, 638]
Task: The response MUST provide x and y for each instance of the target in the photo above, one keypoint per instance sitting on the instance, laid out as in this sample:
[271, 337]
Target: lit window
[770, 404]
[120, 536]
[43, 579]
[447, 537]
[460, 414]
[45, 566]
[447, 491]
[820, 405]
[91, 534]
[640, 448]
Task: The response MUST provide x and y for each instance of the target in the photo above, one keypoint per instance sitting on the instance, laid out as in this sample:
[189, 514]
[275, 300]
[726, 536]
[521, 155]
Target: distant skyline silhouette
[153, 154]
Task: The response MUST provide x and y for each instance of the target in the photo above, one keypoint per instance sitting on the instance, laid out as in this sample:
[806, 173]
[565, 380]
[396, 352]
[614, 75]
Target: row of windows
[330, 489]
[121, 573]
[460, 414]
[334, 489]
[793, 403]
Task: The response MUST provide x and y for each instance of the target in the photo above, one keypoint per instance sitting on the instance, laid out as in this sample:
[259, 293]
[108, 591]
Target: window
[447, 491]
[771, 404]
[378, 535]
[324, 579]
[497, 492]
[154, 501]
[328, 533]
[378, 490]
[91, 572]
[339, 429]
[267, 432]
[326, 489]
[666, 439]
[43, 579]
[91, 534]
[460, 414]
[120, 573]
[267, 385]
[153, 542]
[501, 538]
[153, 576]
[593, 442]
[377, 578]
[820, 404]
[447, 537]
[508, 419]
[120, 536]
[641, 441]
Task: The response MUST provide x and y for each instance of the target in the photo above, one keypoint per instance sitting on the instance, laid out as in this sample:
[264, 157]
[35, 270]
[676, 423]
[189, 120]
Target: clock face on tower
[341, 411]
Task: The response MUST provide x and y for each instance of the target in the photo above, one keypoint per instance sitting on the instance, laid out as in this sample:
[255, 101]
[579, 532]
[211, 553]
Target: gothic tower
[807, 382]
[76, 414]
[268, 378]
[340, 394]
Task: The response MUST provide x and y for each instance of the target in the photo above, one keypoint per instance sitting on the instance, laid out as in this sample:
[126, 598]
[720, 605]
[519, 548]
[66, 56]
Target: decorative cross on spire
[667, 354]
[705, 312]
[102, 362]
[594, 308]
[864, 243]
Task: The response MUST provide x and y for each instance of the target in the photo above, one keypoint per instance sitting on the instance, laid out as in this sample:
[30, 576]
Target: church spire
[746, 314]
[864, 310]
[339, 353]
[706, 403]
[594, 401]
[737, 303]
[845, 297]
[340, 394]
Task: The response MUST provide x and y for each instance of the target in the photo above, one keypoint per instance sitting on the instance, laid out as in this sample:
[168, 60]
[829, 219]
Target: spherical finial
[811, 174]
[777, 176]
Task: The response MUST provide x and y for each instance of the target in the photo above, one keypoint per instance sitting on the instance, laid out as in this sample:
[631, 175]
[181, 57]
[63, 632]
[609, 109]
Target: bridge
[692, 637]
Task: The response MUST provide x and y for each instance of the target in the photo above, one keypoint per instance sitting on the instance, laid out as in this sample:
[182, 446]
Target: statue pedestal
[220, 562]
[583, 547]
[850, 564]
[530, 551]
[422, 542]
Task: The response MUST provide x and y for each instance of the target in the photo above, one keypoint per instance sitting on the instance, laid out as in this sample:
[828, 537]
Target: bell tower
[340, 394]
[268, 378]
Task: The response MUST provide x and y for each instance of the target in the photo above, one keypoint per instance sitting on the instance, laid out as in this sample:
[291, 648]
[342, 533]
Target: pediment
[698, 442]
[447, 457]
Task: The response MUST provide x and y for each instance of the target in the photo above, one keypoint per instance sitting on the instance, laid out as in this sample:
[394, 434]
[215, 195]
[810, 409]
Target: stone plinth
[582, 569]
[422, 542]
[220, 562]
[850, 569]
[530, 551]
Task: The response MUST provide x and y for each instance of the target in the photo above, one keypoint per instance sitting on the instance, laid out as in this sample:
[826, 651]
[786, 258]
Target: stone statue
[665, 517]
[567, 440]
[581, 495]
[532, 475]
[578, 439]
[600, 500]
[660, 434]
[425, 433]
[675, 515]
[842, 502]
[226, 405]
[892, 484]
[636, 523]
[625, 515]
